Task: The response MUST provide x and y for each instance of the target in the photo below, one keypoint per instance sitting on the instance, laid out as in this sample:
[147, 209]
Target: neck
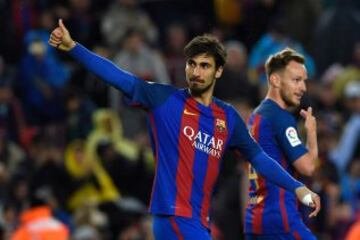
[276, 98]
[203, 98]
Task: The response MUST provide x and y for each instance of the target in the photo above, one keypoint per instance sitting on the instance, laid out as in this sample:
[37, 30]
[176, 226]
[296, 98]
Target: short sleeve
[289, 140]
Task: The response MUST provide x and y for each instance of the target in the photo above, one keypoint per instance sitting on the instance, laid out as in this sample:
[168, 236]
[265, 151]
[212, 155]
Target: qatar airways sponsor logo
[204, 142]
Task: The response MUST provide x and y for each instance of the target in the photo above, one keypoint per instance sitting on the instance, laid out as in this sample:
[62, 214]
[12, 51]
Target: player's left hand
[309, 198]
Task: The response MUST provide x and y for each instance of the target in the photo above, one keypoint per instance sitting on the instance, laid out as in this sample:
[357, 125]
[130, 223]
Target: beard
[198, 90]
[288, 101]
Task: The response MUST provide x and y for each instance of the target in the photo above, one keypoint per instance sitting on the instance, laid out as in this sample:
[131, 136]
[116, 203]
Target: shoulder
[222, 104]
[229, 109]
[274, 114]
[20, 234]
[283, 117]
[154, 86]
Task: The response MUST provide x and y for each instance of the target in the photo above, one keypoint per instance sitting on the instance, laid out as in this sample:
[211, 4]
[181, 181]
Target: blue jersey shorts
[167, 227]
[298, 231]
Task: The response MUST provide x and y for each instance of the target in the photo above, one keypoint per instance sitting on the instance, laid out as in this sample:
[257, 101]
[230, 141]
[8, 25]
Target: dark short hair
[279, 61]
[209, 45]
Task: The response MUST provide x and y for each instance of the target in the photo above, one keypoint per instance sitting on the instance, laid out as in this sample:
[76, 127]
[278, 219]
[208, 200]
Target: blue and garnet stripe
[214, 162]
[184, 174]
[261, 192]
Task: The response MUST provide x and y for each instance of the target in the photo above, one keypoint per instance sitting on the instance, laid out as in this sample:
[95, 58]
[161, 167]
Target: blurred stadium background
[67, 139]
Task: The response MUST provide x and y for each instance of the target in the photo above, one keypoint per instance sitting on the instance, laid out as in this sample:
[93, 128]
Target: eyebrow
[300, 77]
[202, 63]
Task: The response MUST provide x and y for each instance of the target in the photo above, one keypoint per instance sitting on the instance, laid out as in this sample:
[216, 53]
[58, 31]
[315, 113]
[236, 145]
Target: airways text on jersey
[204, 142]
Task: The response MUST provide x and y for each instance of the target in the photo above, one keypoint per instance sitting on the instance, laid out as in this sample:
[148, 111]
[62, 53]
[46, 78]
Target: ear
[274, 80]
[219, 72]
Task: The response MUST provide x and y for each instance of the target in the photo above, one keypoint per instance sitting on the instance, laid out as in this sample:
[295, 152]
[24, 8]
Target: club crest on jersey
[220, 125]
[292, 136]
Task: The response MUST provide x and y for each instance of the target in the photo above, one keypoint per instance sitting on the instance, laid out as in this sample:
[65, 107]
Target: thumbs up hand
[60, 38]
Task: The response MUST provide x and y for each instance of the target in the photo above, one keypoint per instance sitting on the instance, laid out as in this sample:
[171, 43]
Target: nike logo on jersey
[186, 112]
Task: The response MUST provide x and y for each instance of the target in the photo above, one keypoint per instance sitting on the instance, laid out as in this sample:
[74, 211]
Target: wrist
[307, 200]
[72, 45]
[298, 187]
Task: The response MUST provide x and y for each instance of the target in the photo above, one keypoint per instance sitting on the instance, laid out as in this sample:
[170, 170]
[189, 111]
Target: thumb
[62, 26]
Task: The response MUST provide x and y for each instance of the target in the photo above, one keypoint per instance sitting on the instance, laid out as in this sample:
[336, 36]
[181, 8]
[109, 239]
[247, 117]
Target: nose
[303, 86]
[196, 71]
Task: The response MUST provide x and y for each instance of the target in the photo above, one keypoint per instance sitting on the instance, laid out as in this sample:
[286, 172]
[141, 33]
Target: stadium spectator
[37, 223]
[123, 15]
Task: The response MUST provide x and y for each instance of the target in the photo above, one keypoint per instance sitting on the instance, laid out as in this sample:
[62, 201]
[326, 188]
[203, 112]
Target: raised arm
[60, 38]
[306, 163]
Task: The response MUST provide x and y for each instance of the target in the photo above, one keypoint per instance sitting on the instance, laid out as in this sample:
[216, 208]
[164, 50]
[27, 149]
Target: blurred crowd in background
[67, 139]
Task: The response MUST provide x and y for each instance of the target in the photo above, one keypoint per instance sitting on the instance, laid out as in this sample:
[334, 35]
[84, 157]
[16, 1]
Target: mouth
[196, 80]
[299, 95]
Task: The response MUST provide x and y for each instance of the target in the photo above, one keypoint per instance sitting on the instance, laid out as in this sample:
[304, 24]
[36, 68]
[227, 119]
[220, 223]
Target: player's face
[201, 73]
[292, 83]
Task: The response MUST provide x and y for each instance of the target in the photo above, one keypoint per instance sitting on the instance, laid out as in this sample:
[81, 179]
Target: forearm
[105, 69]
[311, 144]
[272, 171]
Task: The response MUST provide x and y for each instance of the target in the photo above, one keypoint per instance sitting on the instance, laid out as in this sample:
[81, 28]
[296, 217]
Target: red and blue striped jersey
[271, 208]
[189, 140]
